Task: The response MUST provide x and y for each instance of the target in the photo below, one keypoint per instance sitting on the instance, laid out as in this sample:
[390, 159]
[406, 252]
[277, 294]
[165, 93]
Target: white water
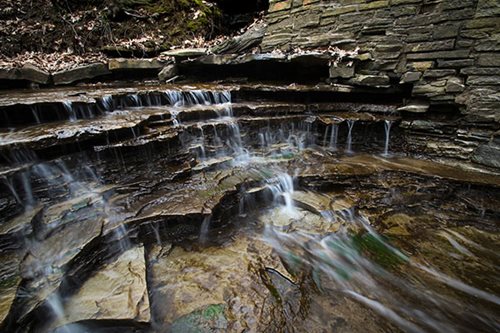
[350, 125]
[68, 106]
[403, 300]
[282, 188]
[334, 136]
[205, 227]
[387, 126]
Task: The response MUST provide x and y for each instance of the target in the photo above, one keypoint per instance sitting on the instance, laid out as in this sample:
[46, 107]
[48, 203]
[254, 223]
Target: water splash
[363, 266]
[282, 188]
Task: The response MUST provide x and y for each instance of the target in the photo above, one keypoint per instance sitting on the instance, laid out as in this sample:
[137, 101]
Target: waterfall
[334, 137]
[202, 143]
[108, 103]
[350, 124]
[205, 227]
[387, 125]
[282, 188]
[156, 232]
[325, 136]
[68, 106]
[34, 111]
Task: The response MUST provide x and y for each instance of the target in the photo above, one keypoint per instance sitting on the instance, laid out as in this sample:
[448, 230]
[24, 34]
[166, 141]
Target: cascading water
[350, 125]
[340, 265]
[333, 137]
[387, 126]
[68, 106]
[155, 199]
[282, 188]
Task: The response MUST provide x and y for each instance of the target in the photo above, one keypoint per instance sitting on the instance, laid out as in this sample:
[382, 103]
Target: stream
[184, 210]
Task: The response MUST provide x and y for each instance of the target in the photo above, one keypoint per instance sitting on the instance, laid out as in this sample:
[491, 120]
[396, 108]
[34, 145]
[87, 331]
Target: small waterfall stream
[334, 137]
[350, 125]
[387, 126]
[236, 204]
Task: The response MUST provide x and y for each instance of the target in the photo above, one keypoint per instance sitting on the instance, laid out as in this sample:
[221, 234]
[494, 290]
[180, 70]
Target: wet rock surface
[189, 212]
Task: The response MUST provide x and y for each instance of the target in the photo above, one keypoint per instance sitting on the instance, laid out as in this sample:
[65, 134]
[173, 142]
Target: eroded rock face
[263, 216]
[216, 288]
[118, 291]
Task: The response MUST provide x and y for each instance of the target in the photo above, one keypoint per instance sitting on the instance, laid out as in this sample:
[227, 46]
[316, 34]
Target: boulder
[80, 73]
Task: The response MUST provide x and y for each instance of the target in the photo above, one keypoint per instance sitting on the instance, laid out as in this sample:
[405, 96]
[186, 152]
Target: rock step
[32, 107]
[136, 128]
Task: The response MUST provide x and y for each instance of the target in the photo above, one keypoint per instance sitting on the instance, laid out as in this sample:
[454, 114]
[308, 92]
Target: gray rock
[410, 77]
[246, 41]
[489, 60]
[133, 64]
[436, 88]
[80, 73]
[186, 53]
[370, 80]
[168, 72]
[454, 54]
[431, 46]
[415, 107]
[343, 72]
[434, 73]
[455, 63]
[478, 80]
[28, 72]
[455, 85]
[34, 74]
[480, 71]
[487, 154]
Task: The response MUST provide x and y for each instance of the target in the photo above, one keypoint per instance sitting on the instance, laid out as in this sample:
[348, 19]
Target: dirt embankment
[124, 27]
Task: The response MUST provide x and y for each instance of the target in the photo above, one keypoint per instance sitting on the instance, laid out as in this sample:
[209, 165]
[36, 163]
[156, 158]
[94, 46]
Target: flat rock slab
[28, 72]
[222, 283]
[184, 53]
[134, 64]
[116, 292]
[80, 73]
[50, 134]
[44, 266]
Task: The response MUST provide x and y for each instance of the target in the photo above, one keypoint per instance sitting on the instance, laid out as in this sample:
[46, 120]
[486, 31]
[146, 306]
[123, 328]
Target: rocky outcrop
[116, 292]
[80, 73]
[446, 52]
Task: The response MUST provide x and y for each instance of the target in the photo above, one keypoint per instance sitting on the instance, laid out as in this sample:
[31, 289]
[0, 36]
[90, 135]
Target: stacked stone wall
[446, 51]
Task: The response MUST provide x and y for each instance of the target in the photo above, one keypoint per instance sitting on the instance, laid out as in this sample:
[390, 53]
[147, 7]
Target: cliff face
[447, 53]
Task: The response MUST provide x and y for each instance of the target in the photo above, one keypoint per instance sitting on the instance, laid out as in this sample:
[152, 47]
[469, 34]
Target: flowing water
[210, 221]
[387, 126]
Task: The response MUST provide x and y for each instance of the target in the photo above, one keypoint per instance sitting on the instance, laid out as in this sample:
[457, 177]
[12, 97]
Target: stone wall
[446, 51]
